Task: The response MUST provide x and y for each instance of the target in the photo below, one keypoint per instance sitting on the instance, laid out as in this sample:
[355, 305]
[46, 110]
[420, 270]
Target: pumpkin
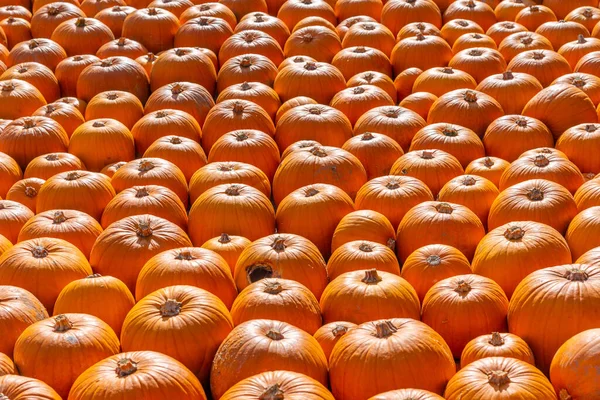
[36, 74]
[183, 64]
[500, 30]
[432, 263]
[297, 146]
[52, 261]
[472, 191]
[478, 12]
[590, 84]
[485, 377]
[210, 9]
[508, 10]
[463, 295]
[294, 60]
[371, 34]
[319, 81]
[272, 26]
[19, 310]
[439, 81]
[573, 363]
[355, 101]
[364, 225]
[247, 146]
[545, 151]
[66, 115]
[15, 11]
[433, 167]
[151, 171]
[150, 199]
[155, 28]
[256, 92]
[430, 222]
[397, 13]
[586, 16]
[251, 41]
[139, 372]
[82, 35]
[469, 108]
[421, 52]
[361, 255]
[347, 23]
[19, 99]
[113, 73]
[294, 172]
[534, 16]
[408, 351]
[322, 123]
[189, 266]
[48, 165]
[414, 28]
[407, 394]
[588, 63]
[157, 124]
[25, 192]
[183, 152]
[287, 256]
[215, 204]
[246, 68]
[318, 42]
[320, 204]
[174, 6]
[17, 30]
[580, 235]
[293, 11]
[473, 40]
[16, 386]
[329, 334]
[47, 17]
[392, 196]
[490, 168]
[496, 345]
[219, 173]
[455, 28]
[147, 61]
[131, 242]
[546, 66]
[562, 32]
[10, 173]
[122, 47]
[278, 299]
[556, 284]
[100, 142]
[479, 62]
[377, 153]
[68, 70]
[84, 295]
[575, 142]
[73, 226]
[230, 115]
[75, 102]
[13, 216]
[587, 195]
[93, 7]
[517, 43]
[278, 383]
[116, 105]
[510, 252]
[374, 78]
[419, 102]
[228, 247]
[347, 9]
[399, 123]
[405, 80]
[82, 340]
[110, 169]
[242, 8]
[43, 51]
[368, 295]
[456, 140]
[114, 17]
[562, 10]
[553, 168]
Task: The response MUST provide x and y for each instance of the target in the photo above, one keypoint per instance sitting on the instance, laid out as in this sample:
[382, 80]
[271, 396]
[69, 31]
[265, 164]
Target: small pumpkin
[421, 52]
[490, 168]
[319, 81]
[534, 16]
[122, 47]
[247, 68]
[155, 28]
[361, 255]
[228, 247]
[25, 192]
[256, 92]
[66, 115]
[329, 334]
[496, 345]
[501, 30]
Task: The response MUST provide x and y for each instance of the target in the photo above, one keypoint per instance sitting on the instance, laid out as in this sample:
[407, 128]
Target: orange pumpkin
[82, 35]
[293, 11]
[13, 216]
[407, 394]
[46, 17]
[174, 6]
[524, 133]
[66, 115]
[479, 12]
[246, 68]
[576, 143]
[490, 168]
[10, 173]
[586, 16]
[587, 195]
[364, 225]
[183, 64]
[272, 26]
[155, 28]
[519, 42]
[147, 61]
[455, 28]
[361, 255]
[377, 153]
[256, 92]
[19, 99]
[25, 192]
[371, 34]
[318, 42]
[183, 152]
[40, 76]
[396, 14]
[329, 334]
[251, 41]
[439, 81]
[581, 232]
[7, 367]
[414, 28]
[405, 80]
[473, 40]
[472, 191]
[421, 52]
[228, 247]
[396, 122]
[544, 65]
[110, 169]
[117, 105]
[347, 9]
[46, 166]
[209, 9]
[419, 102]
[375, 78]
[355, 101]
[355, 60]
[319, 81]
[562, 32]
[500, 30]
[534, 16]
[479, 62]
[157, 124]
[114, 17]
[43, 51]
[347, 23]
[68, 70]
[496, 345]
[590, 84]
[122, 47]
[297, 146]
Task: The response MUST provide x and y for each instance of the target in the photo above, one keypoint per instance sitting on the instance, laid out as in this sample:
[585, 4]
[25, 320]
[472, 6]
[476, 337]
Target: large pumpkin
[361, 255]
[434, 222]
[576, 142]
[17, 386]
[138, 373]
[82, 35]
[406, 352]
[262, 345]
[284, 256]
[48, 165]
[80, 339]
[185, 153]
[278, 299]
[68, 70]
[496, 345]
[555, 286]
[421, 52]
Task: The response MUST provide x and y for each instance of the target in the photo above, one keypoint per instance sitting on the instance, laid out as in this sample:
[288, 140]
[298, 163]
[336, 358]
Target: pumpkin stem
[385, 329]
[225, 167]
[496, 339]
[420, 26]
[498, 378]
[233, 190]
[257, 272]
[534, 8]
[272, 393]
[508, 25]
[427, 155]
[521, 122]
[202, 21]
[310, 192]
[274, 335]
[245, 62]
[471, 4]
[535, 194]
[470, 96]
[245, 86]
[81, 22]
[315, 110]
[468, 181]
[279, 244]
[541, 161]
[224, 238]
[318, 151]
[392, 112]
[145, 165]
[507, 76]
[99, 124]
[161, 114]
[476, 36]
[310, 66]
[371, 277]
[141, 191]
[22, 69]
[177, 88]
[181, 52]
[581, 39]
[590, 128]
[462, 287]
[358, 90]
[28, 123]
[447, 70]
[393, 184]
[258, 17]
[538, 55]
[450, 131]
[93, 276]
[444, 208]
[52, 157]
[564, 395]
[238, 108]
[578, 82]
[434, 260]
[420, 37]
[514, 233]
[588, 13]
[273, 287]
[575, 274]
[170, 308]
[368, 27]
[488, 162]
[50, 108]
[367, 136]
[185, 255]
[204, 7]
[58, 217]
[307, 37]
[125, 367]
[33, 44]
[476, 52]
[30, 191]
[39, 252]
[462, 23]
[368, 77]
[73, 176]
[62, 323]
[175, 140]
[144, 229]
[526, 40]
[366, 247]
[339, 330]
[240, 136]
[152, 11]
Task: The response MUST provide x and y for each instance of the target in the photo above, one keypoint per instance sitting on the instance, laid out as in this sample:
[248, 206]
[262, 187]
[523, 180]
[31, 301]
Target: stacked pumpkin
[280, 184]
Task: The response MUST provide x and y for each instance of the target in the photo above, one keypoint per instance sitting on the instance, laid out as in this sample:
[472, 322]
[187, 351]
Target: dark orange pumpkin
[82, 35]
[155, 28]
[68, 70]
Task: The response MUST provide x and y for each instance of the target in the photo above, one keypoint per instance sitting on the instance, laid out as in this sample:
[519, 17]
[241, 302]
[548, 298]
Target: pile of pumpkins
[300, 199]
